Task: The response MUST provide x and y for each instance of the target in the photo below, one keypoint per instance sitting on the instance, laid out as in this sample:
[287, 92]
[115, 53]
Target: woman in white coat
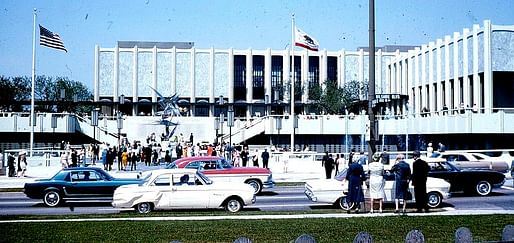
[376, 182]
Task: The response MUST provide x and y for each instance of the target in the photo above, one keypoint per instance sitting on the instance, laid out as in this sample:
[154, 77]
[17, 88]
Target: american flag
[49, 39]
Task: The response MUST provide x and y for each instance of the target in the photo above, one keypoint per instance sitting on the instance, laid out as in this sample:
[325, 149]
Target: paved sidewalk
[298, 170]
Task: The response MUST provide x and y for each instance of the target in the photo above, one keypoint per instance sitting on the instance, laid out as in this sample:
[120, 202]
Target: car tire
[144, 207]
[52, 198]
[233, 205]
[256, 185]
[344, 205]
[434, 199]
[483, 188]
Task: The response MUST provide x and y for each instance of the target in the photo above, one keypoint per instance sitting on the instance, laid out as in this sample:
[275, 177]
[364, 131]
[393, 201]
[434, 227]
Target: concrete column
[449, 91]
[438, 76]
[211, 82]
[135, 90]
[456, 81]
[323, 63]
[360, 73]
[286, 74]
[424, 80]
[488, 71]
[249, 82]
[173, 70]
[342, 68]
[230, 76]
[465, 71]
[267, 79]
[305, 76]
[389, 79]
[397, 69]
[431, 91]
[378, 73]
[97, 74]
[417, 82]
[116, 76]
[476, 77]
[154, 79]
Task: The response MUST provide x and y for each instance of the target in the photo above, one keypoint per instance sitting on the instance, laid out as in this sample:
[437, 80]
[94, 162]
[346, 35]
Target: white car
[334, 191]
[183, 189]
[465, 160]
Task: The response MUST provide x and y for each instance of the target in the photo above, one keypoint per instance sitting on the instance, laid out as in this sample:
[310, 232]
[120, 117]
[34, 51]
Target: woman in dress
[376, 182]
[355, 176]
[402, 175]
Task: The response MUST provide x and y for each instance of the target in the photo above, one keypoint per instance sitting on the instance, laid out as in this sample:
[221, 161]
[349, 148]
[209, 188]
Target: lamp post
[222, 116]
[230, 123]
[278, 125]
[216, 127]
[345, 131]
[94, 123]
[119, 120]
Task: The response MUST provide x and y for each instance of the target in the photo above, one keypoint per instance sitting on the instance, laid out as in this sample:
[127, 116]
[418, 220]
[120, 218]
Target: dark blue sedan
[76, 184]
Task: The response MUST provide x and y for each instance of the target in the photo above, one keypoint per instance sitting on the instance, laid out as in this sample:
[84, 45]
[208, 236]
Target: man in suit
[265, 158]
[420, 171]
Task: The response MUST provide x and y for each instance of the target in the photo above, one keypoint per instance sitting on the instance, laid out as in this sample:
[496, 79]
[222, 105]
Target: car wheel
[256, 185]
[483, 188]
[233, 205]
[144, 207]
[434, 199]
[52, 198]
[343, 204]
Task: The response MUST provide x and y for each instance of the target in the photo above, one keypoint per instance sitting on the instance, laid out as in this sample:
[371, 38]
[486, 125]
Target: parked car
[476, 181]
[335, 190]
[465, 160]
[76, 184]
[220, 169]
[183, 189]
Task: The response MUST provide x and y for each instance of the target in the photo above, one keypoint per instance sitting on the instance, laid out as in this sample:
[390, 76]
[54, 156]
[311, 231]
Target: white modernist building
[438, 82]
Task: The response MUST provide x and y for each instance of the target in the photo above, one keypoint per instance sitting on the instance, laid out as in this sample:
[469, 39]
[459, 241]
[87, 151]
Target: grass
[383, 229]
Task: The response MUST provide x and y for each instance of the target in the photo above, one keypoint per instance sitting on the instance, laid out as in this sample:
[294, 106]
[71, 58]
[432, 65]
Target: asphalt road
[280, 199]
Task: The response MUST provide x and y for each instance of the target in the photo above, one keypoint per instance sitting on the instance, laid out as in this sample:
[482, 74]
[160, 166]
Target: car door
[188, 193]
[160, 191]
[84, 184]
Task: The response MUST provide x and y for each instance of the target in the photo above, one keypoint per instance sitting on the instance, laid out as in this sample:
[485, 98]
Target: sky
[241, 24]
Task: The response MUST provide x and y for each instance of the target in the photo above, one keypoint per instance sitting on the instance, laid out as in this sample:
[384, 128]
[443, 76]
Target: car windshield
[442, 166]
[172, 165]
[225, 163]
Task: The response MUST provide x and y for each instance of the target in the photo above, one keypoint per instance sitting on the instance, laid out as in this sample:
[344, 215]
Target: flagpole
[293, 29]
[32, 114]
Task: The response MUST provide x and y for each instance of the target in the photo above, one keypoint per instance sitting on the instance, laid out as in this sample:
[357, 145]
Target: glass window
[258, 77]
[277, 70]
[193, 165]
[313, 76]
[239, 77]
[331, 68]
[162, 180]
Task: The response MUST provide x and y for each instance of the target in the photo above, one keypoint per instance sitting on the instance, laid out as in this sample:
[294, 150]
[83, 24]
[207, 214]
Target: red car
[220, 169]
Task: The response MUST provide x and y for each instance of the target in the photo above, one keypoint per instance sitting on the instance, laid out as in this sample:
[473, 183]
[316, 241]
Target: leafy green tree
[334, 99]
[12, 92]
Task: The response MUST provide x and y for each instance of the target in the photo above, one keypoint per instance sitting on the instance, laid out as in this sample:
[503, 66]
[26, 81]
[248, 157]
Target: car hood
[240, 170]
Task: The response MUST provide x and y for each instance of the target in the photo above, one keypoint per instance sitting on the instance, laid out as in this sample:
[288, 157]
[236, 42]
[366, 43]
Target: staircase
[246, 130]
[105, 132]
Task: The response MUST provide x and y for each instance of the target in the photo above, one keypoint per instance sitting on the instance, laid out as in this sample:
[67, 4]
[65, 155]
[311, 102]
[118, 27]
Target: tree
[12, 90]
[333, 99]
[16, 91]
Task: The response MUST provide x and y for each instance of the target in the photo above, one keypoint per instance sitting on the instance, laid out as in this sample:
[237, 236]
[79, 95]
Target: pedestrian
[328, 163]
[178, 151]
[11, 161]
[124, 159]
[64, 160]
[402, 175]
[167, 157]
[285, 161]
[420, 171]
[336, 164]
[384, 157]
[363, 159]
[104, 158]
[255, 158]
[236, 157]
[191, 138]
[350, 157]
[355, 176]
[265, 158]
[244, 155]
[430, 150]
[22, 163]
[133, 161]
[442, 147]
[342, 163]
[74, 158]
[376, 181]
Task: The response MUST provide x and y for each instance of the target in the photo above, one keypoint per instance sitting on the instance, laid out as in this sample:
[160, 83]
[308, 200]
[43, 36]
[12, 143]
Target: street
[281, 198]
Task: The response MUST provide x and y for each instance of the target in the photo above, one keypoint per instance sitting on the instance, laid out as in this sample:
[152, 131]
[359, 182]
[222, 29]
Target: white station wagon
[183, 189]
[334, 191]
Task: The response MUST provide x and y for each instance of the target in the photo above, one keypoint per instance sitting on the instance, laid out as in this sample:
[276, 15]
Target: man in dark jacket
[265, 158]
[328, 163]
[420, 171]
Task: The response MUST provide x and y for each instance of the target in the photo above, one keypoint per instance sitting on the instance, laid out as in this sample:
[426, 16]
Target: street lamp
[216, 127]
[278, 125]
[94, 123]
[230, 122]
[119, 120]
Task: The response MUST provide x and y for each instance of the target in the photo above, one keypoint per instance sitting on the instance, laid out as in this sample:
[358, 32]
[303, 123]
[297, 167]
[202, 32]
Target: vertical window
[276, 74]
[239, 77]
[258, 77]
[298, 77]
[313, 76]
[331, 68]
